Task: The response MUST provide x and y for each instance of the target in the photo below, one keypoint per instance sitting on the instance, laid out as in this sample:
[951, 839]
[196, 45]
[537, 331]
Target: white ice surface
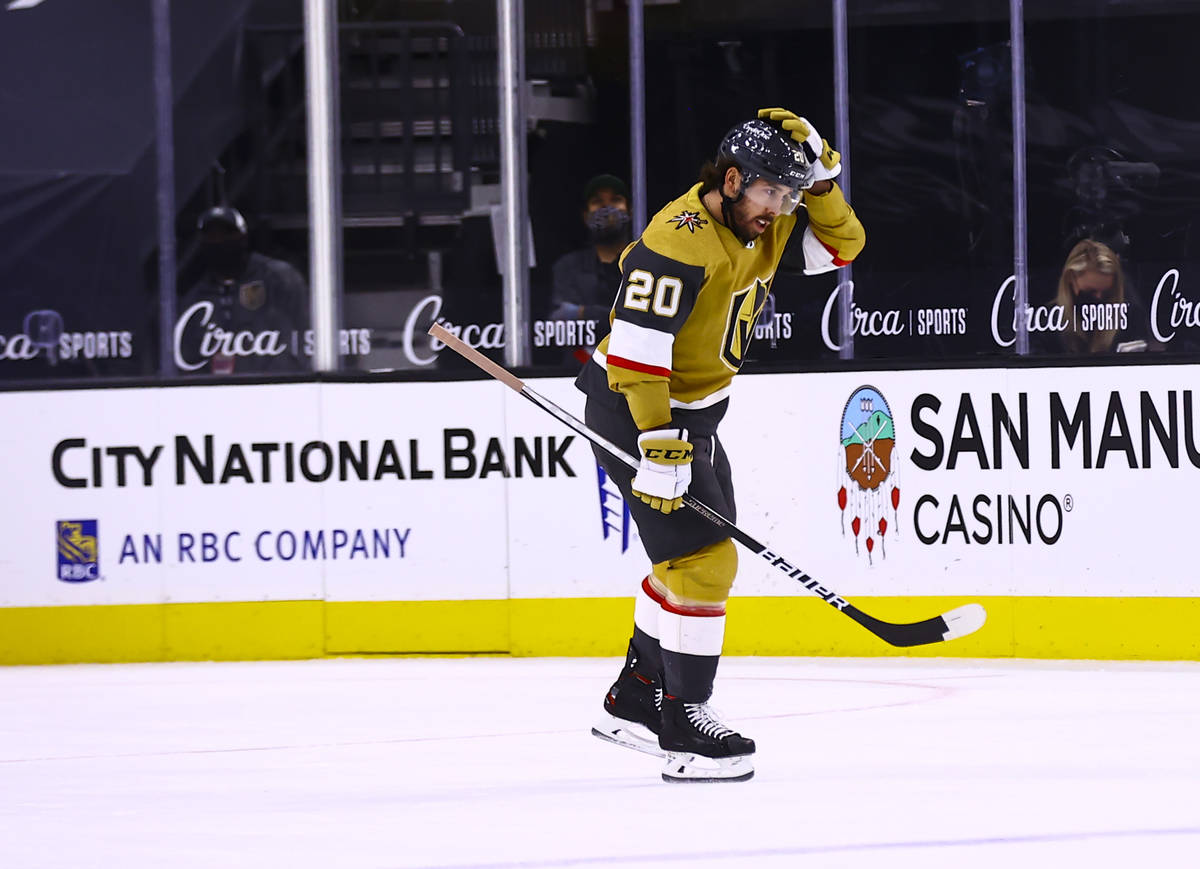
[489, 763]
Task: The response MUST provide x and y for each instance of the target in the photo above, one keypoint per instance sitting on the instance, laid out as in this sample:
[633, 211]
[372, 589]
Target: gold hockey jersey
[691, 293]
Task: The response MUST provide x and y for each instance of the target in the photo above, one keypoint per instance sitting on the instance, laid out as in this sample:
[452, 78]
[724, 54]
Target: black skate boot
[700, 748]
[632, 709]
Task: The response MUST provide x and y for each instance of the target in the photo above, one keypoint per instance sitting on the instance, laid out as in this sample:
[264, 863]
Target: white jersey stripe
[707, 401]
[817, 258]
[640, 344]
[699, 404]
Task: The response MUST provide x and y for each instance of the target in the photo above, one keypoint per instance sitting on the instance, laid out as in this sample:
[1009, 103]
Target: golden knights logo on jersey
[691, 220]
[744, 307]
[252, 295]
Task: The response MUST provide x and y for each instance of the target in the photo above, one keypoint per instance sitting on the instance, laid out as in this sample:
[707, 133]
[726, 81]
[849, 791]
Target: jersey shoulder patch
[684, 231]
[689, 220]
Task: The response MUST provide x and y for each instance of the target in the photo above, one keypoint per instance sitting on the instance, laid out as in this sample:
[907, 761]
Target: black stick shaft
[934, 630]
[921, 633]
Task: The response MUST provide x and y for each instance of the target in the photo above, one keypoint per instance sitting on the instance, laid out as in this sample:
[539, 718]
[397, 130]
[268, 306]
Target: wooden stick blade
[475, 357]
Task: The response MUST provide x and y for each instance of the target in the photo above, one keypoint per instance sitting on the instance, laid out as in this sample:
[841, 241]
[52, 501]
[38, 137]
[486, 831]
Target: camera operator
[248, 313]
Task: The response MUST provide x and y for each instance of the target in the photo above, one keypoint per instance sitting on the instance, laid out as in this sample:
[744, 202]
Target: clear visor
[773, 196]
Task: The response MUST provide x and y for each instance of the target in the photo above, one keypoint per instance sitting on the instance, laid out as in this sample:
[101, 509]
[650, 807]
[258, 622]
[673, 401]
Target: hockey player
[658, 385]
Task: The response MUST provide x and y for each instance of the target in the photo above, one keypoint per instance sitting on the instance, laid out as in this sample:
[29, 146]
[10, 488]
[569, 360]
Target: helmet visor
[773, 195]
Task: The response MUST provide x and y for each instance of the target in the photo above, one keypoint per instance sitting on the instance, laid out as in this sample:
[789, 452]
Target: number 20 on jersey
[644, 293]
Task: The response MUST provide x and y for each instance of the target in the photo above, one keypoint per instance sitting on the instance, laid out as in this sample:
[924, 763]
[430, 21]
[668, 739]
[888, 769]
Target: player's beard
[744, 216]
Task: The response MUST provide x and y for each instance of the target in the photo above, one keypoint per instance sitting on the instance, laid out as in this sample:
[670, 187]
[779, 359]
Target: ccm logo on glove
[665, 471]
[669, 455]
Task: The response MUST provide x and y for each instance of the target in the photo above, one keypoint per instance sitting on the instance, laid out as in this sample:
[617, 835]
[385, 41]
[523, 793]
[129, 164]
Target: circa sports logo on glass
[78, 549]
[869, 472]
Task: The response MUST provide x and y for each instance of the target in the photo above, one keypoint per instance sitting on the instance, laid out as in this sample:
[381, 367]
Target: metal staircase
[406, 125]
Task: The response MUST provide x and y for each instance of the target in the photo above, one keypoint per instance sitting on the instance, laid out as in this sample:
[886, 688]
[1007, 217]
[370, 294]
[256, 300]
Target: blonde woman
[1091, 291]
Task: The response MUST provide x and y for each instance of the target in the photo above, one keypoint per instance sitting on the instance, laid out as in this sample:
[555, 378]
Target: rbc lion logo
[78, 550]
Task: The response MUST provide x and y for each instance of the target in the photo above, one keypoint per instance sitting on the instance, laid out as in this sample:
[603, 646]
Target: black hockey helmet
[223, 215]
[762, 150]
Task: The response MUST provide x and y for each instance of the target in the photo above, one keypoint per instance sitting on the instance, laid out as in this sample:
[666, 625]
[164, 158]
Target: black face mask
[608, 224]
[225, 258]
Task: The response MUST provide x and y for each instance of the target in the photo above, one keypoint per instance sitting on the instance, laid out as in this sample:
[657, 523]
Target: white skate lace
[704, 720]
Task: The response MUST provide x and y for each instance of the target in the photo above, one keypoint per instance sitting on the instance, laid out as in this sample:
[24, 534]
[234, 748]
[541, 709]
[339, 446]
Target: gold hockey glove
[666, 469]
[826, 162]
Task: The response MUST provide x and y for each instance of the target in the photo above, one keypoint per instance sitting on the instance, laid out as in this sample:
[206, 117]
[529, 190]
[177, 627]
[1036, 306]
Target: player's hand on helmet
[666, 469]
[826, 162]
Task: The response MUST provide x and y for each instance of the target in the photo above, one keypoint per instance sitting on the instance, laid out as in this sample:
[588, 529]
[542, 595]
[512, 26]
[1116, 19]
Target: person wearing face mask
[586, 280]
[248, 313]
[1100, 313]
[658, 385]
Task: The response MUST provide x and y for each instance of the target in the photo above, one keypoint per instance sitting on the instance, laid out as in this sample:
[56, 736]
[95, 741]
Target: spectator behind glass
[1098, 314]
[248, 314]
[585, 281]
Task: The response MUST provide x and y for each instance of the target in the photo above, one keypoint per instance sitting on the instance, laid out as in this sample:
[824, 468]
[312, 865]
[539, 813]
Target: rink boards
[299, 520]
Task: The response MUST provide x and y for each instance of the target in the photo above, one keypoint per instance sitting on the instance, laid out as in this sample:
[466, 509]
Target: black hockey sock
[689, 677]
[649, 654]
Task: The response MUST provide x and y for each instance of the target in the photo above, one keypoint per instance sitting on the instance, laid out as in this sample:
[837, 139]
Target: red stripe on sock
[695, 611]
[651, 593]
[679, 610]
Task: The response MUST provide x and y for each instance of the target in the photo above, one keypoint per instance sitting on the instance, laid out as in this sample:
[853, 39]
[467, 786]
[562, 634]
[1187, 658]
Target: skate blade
[685, 767]
[628, 735]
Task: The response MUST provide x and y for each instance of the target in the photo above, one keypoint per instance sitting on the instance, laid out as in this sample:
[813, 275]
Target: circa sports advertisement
[1072, 482]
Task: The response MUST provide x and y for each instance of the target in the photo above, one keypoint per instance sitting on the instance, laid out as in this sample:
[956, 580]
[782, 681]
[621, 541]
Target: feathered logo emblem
[690, 219]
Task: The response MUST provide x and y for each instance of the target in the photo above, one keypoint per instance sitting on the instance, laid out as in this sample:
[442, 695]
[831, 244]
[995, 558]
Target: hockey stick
[950, 625]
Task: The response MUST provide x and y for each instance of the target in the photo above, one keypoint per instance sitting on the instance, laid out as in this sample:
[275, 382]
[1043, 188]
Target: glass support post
[164, 152]
[1020, 189]
[514, 184]
[841, 111]
[324, 179]
[637, 112]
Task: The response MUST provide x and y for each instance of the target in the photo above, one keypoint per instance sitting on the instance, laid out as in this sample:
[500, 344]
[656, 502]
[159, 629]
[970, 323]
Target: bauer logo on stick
[868, 472]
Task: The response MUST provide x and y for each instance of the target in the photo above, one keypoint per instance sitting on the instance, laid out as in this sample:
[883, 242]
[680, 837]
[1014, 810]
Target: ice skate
[699, 748]
[632, 714]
